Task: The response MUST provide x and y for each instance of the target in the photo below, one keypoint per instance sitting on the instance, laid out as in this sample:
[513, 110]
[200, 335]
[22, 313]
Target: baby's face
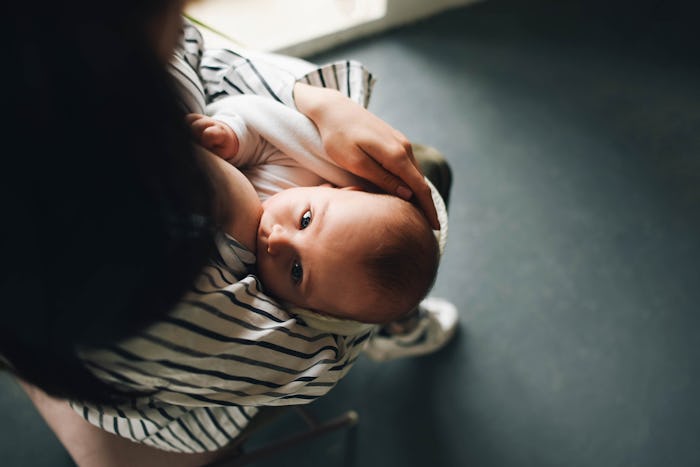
[309, 246]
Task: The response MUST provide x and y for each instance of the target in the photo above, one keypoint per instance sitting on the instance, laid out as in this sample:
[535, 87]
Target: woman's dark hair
[106, 211]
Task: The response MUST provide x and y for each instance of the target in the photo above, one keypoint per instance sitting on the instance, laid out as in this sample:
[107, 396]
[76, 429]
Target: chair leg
[345, 420]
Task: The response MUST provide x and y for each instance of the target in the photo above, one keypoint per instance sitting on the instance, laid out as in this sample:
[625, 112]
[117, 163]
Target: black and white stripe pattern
[225, 72]
[349, 77]
[224, 350]
[183, 67]
[227, 347]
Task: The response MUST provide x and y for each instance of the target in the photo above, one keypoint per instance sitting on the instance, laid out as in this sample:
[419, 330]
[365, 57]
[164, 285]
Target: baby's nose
[278, 240]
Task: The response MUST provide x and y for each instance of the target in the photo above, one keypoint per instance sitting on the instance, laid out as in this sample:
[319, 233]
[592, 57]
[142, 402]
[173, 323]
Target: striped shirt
[227, 347]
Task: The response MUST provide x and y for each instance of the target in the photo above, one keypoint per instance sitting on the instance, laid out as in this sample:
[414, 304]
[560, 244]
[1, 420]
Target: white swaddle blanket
[294, 134]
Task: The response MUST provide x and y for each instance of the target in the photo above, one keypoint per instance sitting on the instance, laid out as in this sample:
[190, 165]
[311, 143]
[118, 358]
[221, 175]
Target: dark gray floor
[572, 130]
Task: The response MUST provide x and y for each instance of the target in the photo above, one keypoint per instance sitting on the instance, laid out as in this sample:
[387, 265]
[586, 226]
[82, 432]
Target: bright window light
[273, 25]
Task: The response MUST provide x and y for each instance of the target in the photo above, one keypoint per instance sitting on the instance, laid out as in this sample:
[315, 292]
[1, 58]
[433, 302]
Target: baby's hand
[214, 135]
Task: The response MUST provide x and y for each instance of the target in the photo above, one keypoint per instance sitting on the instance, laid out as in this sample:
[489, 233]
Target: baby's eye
[297, 272]
[305, 220]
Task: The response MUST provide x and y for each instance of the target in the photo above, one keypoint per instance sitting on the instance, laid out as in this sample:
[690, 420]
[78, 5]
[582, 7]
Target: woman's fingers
[411, 176]
[363, 165]
[399, 177]
[399, 173]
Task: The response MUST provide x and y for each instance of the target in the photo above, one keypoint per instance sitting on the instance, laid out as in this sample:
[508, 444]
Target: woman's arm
[365, 145]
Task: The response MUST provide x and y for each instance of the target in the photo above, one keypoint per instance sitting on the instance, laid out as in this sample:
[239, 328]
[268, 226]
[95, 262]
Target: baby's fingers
[213, 136]
[191, 118]
[198, 126]
[221, 140]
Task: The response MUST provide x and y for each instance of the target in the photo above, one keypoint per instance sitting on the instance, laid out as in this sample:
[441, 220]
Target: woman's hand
[365, 145]
[213, 135]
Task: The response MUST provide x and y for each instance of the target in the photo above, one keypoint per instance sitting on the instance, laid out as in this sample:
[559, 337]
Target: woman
[132, 233]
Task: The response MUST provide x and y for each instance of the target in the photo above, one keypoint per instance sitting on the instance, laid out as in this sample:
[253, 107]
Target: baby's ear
[353, 188]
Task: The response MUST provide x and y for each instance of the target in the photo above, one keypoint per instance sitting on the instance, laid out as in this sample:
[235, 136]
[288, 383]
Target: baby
[342, 252]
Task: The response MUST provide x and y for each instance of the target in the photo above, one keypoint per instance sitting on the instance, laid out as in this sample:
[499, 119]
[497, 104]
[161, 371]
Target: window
[304, 27]
[278, 25]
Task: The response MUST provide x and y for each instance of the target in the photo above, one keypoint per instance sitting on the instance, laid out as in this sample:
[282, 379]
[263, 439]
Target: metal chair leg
[345, 420]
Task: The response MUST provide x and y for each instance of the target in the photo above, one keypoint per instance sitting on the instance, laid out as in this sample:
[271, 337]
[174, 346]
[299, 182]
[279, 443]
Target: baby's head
[346, 253]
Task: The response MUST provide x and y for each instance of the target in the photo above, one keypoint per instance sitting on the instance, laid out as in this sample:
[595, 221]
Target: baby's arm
[214, 135]
[267, 124]
[226, 133]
